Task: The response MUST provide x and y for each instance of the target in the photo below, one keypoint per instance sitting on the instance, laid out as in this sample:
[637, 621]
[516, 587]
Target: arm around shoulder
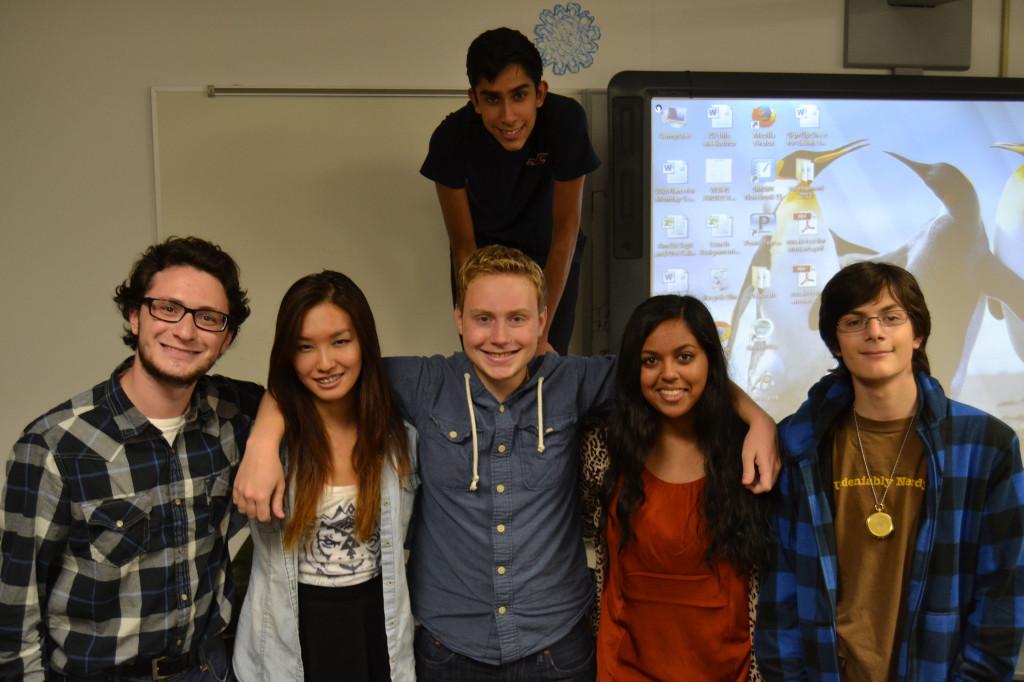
[259, 484]
[761, 463]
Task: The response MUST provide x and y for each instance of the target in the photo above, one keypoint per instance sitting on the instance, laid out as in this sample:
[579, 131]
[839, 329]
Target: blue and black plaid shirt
[115, 543]
[964, 612]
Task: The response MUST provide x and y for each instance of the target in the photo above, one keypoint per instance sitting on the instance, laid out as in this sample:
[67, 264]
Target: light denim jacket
[267, 641]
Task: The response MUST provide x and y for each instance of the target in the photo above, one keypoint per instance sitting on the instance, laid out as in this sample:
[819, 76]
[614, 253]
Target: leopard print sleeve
[593, 465]
[753, 585]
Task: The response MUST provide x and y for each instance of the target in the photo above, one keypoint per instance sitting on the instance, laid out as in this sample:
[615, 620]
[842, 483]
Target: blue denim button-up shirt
[498, 572]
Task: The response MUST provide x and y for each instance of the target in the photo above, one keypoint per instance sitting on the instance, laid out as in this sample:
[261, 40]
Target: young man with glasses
[117, 505]
[900, 512]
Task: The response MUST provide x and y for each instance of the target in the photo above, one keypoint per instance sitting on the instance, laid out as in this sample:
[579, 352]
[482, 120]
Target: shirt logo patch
[538, 160]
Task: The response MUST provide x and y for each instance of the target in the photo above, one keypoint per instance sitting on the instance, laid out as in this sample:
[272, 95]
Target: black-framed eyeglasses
[172, 311]
[849, 324]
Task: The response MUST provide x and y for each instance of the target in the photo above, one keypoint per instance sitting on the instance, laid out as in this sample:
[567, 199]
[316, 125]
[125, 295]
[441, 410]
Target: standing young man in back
[900, 512]
[509, 168]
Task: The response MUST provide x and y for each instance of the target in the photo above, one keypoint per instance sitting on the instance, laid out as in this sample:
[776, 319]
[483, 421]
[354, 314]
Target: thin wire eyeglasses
[849, 324]
[172, 311]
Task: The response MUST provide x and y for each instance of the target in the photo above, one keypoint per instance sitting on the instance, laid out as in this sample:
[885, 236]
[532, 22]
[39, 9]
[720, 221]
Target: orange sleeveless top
[665, 615]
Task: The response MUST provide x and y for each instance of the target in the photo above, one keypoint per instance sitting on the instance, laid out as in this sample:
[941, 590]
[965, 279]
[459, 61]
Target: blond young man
[497, 570]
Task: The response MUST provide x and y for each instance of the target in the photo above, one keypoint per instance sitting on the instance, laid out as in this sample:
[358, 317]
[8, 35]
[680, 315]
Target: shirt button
[501, 527]
[387, 543]
[453, 434]
[501, 408]
[501, 448]
[501, 570]
[500, 487]
[177, 502]
[184, 597]
[177, 642]
[119, 523]
[502, 610]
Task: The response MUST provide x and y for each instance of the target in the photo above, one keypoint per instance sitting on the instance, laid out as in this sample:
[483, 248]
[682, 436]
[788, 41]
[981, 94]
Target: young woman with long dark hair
[328, 599]
[679, 540]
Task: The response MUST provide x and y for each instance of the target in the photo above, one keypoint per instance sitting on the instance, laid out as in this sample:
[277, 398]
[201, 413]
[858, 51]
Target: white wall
[77, 199]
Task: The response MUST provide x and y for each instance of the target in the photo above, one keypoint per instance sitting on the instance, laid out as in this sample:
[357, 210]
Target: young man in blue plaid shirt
[900, 512]
[117, 505]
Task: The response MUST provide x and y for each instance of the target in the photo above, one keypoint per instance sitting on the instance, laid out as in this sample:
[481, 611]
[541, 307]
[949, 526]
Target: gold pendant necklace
[879, 522]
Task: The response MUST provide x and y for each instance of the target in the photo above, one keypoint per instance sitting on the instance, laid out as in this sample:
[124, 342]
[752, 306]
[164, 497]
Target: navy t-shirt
[510, 192]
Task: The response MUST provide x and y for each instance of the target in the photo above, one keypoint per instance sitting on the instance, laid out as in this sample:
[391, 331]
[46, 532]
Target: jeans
[571, 658]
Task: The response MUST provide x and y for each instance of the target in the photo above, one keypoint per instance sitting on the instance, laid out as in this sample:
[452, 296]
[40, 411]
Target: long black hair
[735, 518]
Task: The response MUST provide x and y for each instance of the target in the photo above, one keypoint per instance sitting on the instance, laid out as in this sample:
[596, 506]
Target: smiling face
[328, 358]
[508, 105]
[500, 327]
[673, 369]
[178, 353]
[879, 355]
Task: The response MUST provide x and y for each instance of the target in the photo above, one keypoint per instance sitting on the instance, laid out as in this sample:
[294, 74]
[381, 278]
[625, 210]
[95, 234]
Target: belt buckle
[155, 666]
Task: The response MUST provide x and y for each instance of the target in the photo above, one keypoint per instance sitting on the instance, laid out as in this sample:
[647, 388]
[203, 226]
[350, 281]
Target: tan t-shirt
[873, 572]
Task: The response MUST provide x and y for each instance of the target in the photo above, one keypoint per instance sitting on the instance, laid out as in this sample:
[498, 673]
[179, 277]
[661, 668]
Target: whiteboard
[294, 185]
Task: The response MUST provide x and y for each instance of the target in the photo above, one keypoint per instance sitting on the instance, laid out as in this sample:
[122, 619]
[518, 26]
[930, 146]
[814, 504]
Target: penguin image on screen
[957, 272]
[1008, 242]
[785, 358]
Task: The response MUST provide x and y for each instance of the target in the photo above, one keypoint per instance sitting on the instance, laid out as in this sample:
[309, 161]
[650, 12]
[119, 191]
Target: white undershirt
[169, 427]
[330, 554]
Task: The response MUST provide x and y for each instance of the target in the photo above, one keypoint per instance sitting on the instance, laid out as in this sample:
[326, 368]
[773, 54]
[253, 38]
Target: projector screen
[753, 201]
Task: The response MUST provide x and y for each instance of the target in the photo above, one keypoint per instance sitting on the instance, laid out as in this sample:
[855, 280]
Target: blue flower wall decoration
[567, 38]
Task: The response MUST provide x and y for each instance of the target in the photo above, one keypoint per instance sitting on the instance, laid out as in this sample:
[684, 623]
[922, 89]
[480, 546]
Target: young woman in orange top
[678, 538]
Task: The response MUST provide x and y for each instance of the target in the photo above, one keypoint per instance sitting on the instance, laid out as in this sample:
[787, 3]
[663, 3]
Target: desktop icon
[675, 280]
[718, 171]
[762, 117]
[806, 275]
[720, 115]
[719, 279]
[762, 170]
[807, 115]
[763, 327]
[675, 227]
[720, 225]
[675, 172]
[762, 223]
[760, 277]
[673, 116]
[806, 222]
[724, 332]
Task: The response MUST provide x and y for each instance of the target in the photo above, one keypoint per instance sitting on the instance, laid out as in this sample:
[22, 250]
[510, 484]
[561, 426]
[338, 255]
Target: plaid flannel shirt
[114, 544]
[964, 612]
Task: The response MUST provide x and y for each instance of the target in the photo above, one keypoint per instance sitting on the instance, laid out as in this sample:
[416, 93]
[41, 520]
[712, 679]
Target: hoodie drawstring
[472, 426]
[540, 415]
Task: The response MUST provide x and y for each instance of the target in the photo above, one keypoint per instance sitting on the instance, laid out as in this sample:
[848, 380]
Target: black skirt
[341, 632]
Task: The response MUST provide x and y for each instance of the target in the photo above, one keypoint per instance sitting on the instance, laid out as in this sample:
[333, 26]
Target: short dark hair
[193, 252]
[861, 283]
[492, 51]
